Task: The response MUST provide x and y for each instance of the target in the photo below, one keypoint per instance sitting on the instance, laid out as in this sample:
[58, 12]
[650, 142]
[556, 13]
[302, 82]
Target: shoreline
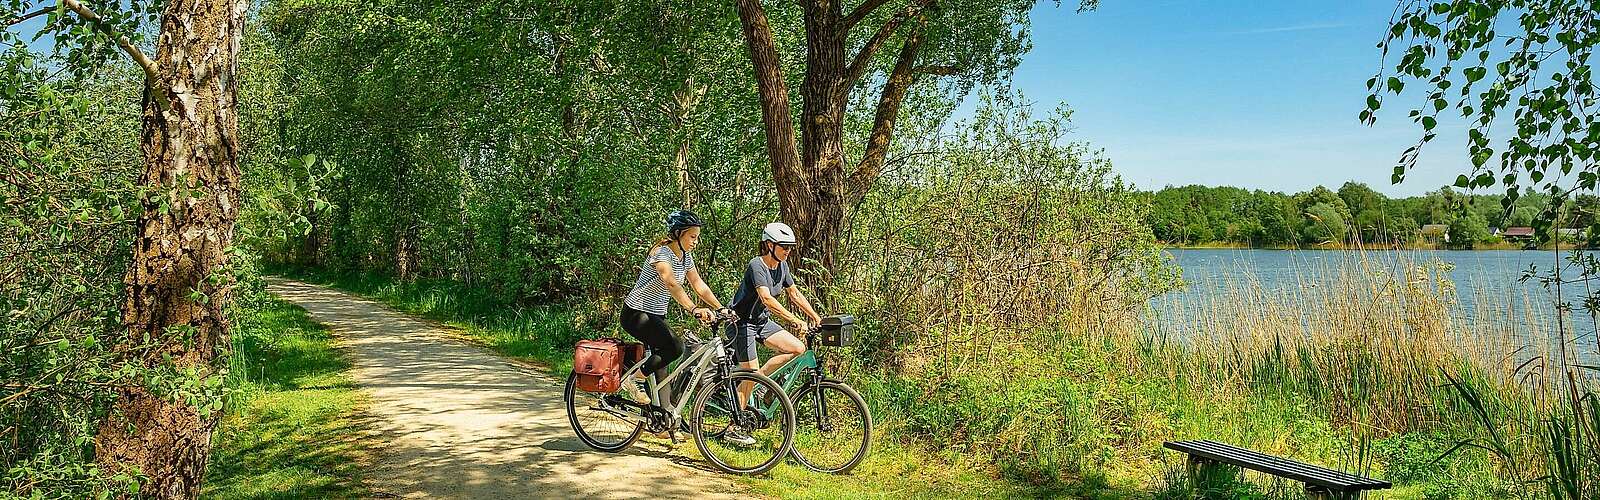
[1496, 247]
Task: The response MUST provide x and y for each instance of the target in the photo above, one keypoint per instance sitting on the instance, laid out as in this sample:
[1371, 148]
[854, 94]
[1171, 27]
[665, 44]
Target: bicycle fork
[817, 399]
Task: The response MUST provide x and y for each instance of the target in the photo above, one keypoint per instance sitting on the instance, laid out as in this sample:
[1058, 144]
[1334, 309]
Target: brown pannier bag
[632, 354]
[598, 365]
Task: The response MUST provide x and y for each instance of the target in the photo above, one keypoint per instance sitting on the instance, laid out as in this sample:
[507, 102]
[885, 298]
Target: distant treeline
[1201, 215]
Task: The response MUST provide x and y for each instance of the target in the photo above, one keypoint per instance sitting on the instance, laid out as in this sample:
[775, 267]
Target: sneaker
[737, 436]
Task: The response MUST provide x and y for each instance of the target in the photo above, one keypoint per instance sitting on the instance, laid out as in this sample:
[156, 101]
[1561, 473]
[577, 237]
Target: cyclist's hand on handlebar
[705, 315]
[727, 314]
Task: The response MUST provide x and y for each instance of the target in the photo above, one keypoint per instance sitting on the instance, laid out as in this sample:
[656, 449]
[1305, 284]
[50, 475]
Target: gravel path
[458, 421]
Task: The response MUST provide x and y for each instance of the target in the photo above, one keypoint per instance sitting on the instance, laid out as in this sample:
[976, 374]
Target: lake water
[1475, 273]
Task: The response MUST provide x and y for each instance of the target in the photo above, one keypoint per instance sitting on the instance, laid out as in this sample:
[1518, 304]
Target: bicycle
[833, 425]
[612, 422]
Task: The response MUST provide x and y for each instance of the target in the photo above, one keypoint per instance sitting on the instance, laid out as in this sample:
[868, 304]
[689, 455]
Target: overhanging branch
[894, 94]
[122, 41]
[860, 12]
[23, 18]
[863, 58]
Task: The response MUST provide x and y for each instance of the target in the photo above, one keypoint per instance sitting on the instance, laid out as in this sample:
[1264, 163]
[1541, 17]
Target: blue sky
[1251, 94]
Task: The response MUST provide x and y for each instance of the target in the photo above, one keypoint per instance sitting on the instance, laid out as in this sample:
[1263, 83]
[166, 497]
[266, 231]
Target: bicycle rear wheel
[599, 424]
[833, 431]
[714, 424]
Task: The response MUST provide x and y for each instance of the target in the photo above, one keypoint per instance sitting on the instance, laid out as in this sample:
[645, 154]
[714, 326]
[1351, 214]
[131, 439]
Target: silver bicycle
[743, 441]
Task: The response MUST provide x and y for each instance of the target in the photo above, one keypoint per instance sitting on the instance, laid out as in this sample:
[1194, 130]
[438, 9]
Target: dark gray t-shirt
[746, 303]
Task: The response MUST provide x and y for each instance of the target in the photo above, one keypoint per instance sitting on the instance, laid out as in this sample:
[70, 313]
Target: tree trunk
[191, 170]
[816, 209]
[405, 252]
[814, 188]
[309, 246]
[776, 119]
[404, 203]
[684, 102]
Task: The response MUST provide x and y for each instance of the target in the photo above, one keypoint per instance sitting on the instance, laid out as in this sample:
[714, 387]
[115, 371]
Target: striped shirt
[649, 294]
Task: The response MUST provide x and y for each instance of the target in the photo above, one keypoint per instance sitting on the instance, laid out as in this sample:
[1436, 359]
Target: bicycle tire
[703, 440]
[806, 418]
[572, 396]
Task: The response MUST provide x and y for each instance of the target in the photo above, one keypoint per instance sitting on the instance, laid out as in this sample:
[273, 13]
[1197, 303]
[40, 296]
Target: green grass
[1073, 423]
[291, 428]
[897, 467]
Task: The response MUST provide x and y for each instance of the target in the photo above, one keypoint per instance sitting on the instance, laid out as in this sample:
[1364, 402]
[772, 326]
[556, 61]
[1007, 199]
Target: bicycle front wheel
[745, 440]
[832, 427]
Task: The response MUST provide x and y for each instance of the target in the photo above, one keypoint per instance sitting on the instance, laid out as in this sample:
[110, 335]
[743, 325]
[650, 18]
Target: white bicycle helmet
[779, 233]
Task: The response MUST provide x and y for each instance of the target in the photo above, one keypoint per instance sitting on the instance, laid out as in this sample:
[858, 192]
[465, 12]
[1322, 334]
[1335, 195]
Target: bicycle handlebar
[718, 319]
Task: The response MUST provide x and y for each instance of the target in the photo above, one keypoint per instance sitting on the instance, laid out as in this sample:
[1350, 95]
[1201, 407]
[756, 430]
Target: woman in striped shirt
[669, 265]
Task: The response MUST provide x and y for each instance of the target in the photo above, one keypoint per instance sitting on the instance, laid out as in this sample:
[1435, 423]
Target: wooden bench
[1320, 482]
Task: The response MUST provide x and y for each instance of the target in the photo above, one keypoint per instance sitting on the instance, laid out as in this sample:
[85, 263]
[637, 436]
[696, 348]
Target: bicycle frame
[789, 376]
[697, 362]
[793, 374]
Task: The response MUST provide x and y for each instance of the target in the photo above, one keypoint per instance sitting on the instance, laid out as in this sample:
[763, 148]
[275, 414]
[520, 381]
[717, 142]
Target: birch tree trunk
[178, 284]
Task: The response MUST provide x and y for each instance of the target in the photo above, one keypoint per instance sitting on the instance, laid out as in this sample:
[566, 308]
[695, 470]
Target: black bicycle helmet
[681, 219]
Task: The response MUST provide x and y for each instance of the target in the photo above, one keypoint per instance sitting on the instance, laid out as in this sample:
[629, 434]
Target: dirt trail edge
[457, 421]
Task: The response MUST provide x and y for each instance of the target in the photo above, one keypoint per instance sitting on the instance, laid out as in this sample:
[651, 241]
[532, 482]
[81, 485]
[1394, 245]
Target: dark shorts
[747, 336]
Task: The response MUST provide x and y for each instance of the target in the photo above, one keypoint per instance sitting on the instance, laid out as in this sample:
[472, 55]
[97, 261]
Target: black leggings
[664, 346]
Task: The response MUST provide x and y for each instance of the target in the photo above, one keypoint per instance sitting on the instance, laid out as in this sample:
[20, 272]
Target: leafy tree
[1468, 229]
[1324, 224]
[1360, 198]
[1278, 218]
[1543, 84]
[1199, 214]
[1401, 228]
[1367, 210]
[64, 201]
[973, 41]
[173, 329]
[1521, 216]
[1324, 196]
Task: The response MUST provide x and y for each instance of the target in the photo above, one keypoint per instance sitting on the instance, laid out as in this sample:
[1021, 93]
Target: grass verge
[898, 467]
[292, 427]
[1075, 423]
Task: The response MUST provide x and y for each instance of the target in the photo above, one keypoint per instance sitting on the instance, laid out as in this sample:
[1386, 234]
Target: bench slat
[1322, 474]
[1278, 466]
[1272, 465]
[1317, 475]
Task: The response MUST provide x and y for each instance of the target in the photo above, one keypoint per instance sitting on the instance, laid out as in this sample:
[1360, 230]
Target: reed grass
[1383, 343]
[1369, 363]
[1361, 364]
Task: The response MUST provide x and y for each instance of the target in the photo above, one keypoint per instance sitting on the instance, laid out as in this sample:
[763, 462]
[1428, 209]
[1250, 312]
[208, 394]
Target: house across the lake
[1517, 233]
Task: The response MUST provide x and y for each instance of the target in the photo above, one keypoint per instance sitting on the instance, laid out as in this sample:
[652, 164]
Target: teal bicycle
[833, 426]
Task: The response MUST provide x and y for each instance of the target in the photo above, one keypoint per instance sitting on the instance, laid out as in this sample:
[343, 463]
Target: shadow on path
[459, 422]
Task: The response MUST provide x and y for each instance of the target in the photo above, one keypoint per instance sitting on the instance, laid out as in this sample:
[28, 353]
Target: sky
[1260, 95]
